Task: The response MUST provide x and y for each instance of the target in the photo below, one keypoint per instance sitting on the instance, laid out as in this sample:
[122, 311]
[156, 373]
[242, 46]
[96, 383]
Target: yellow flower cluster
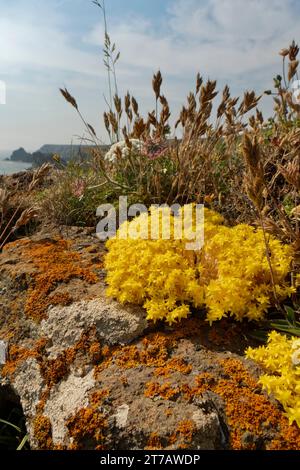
[281, 358]
[228, 275]
[242, 285]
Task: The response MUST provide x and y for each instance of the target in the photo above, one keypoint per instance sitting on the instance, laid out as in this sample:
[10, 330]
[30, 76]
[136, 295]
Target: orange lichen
[176, 364]
[16, 243]
[18, 354]
[154, 442]
[289, 437]
[60, 298]
[183, 434]
[186, 429]
[124, 380]
[95, 352]
[97, 397]
[42, 431]
[105, 351]
[169, 391]
[247, 409]
[153, 353]
[53, 370]
[59, 447]
[235, 369]
[100, 447]
[161, 372]
[89, 344]
[165, 391]
[87, 423]
[42, 403]
[55, 263]
[202, 384]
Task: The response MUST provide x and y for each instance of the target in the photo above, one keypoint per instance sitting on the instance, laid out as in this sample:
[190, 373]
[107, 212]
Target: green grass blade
[23, 442]
[7, 423]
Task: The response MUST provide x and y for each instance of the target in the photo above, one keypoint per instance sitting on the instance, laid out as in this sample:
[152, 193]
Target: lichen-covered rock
[28, 384]
[114, 323]
[64, 400]
[3, 352]
[90, 375]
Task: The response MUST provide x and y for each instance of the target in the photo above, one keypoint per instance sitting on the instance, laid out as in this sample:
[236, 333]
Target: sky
[48, 44]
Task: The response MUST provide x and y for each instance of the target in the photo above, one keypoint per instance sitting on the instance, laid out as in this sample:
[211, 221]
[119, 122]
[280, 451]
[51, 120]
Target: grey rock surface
[115, 324]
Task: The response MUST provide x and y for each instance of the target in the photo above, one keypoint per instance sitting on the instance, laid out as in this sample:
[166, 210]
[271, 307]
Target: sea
[8, 167]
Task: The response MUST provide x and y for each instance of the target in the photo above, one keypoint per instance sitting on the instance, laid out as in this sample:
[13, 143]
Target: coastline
[9, 167]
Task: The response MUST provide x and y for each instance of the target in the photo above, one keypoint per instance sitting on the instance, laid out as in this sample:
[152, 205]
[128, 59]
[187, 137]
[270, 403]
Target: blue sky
[47, 44]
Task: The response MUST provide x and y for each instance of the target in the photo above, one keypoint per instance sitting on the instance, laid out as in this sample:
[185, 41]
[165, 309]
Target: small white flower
[296, 344]
[296, 357]
[122, 146]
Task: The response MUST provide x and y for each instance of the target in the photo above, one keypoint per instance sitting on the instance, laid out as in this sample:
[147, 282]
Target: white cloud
[222, 38]
[32, 45]
[229, 20]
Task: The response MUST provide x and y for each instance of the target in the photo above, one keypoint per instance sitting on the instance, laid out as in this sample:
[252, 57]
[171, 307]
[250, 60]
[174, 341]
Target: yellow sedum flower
[230, 275]
[282, 377]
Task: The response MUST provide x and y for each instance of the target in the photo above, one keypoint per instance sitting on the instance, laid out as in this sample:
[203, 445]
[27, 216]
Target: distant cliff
[66, 152]
[38, 158]
[21, 155]
[46, 152]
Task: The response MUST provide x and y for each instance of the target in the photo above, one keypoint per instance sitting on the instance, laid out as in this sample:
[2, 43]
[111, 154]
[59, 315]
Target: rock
[115, 323]
[28, 385]
[21, 155]
[64, 400]
[121, 416]
[3, 352]
[93, 375]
